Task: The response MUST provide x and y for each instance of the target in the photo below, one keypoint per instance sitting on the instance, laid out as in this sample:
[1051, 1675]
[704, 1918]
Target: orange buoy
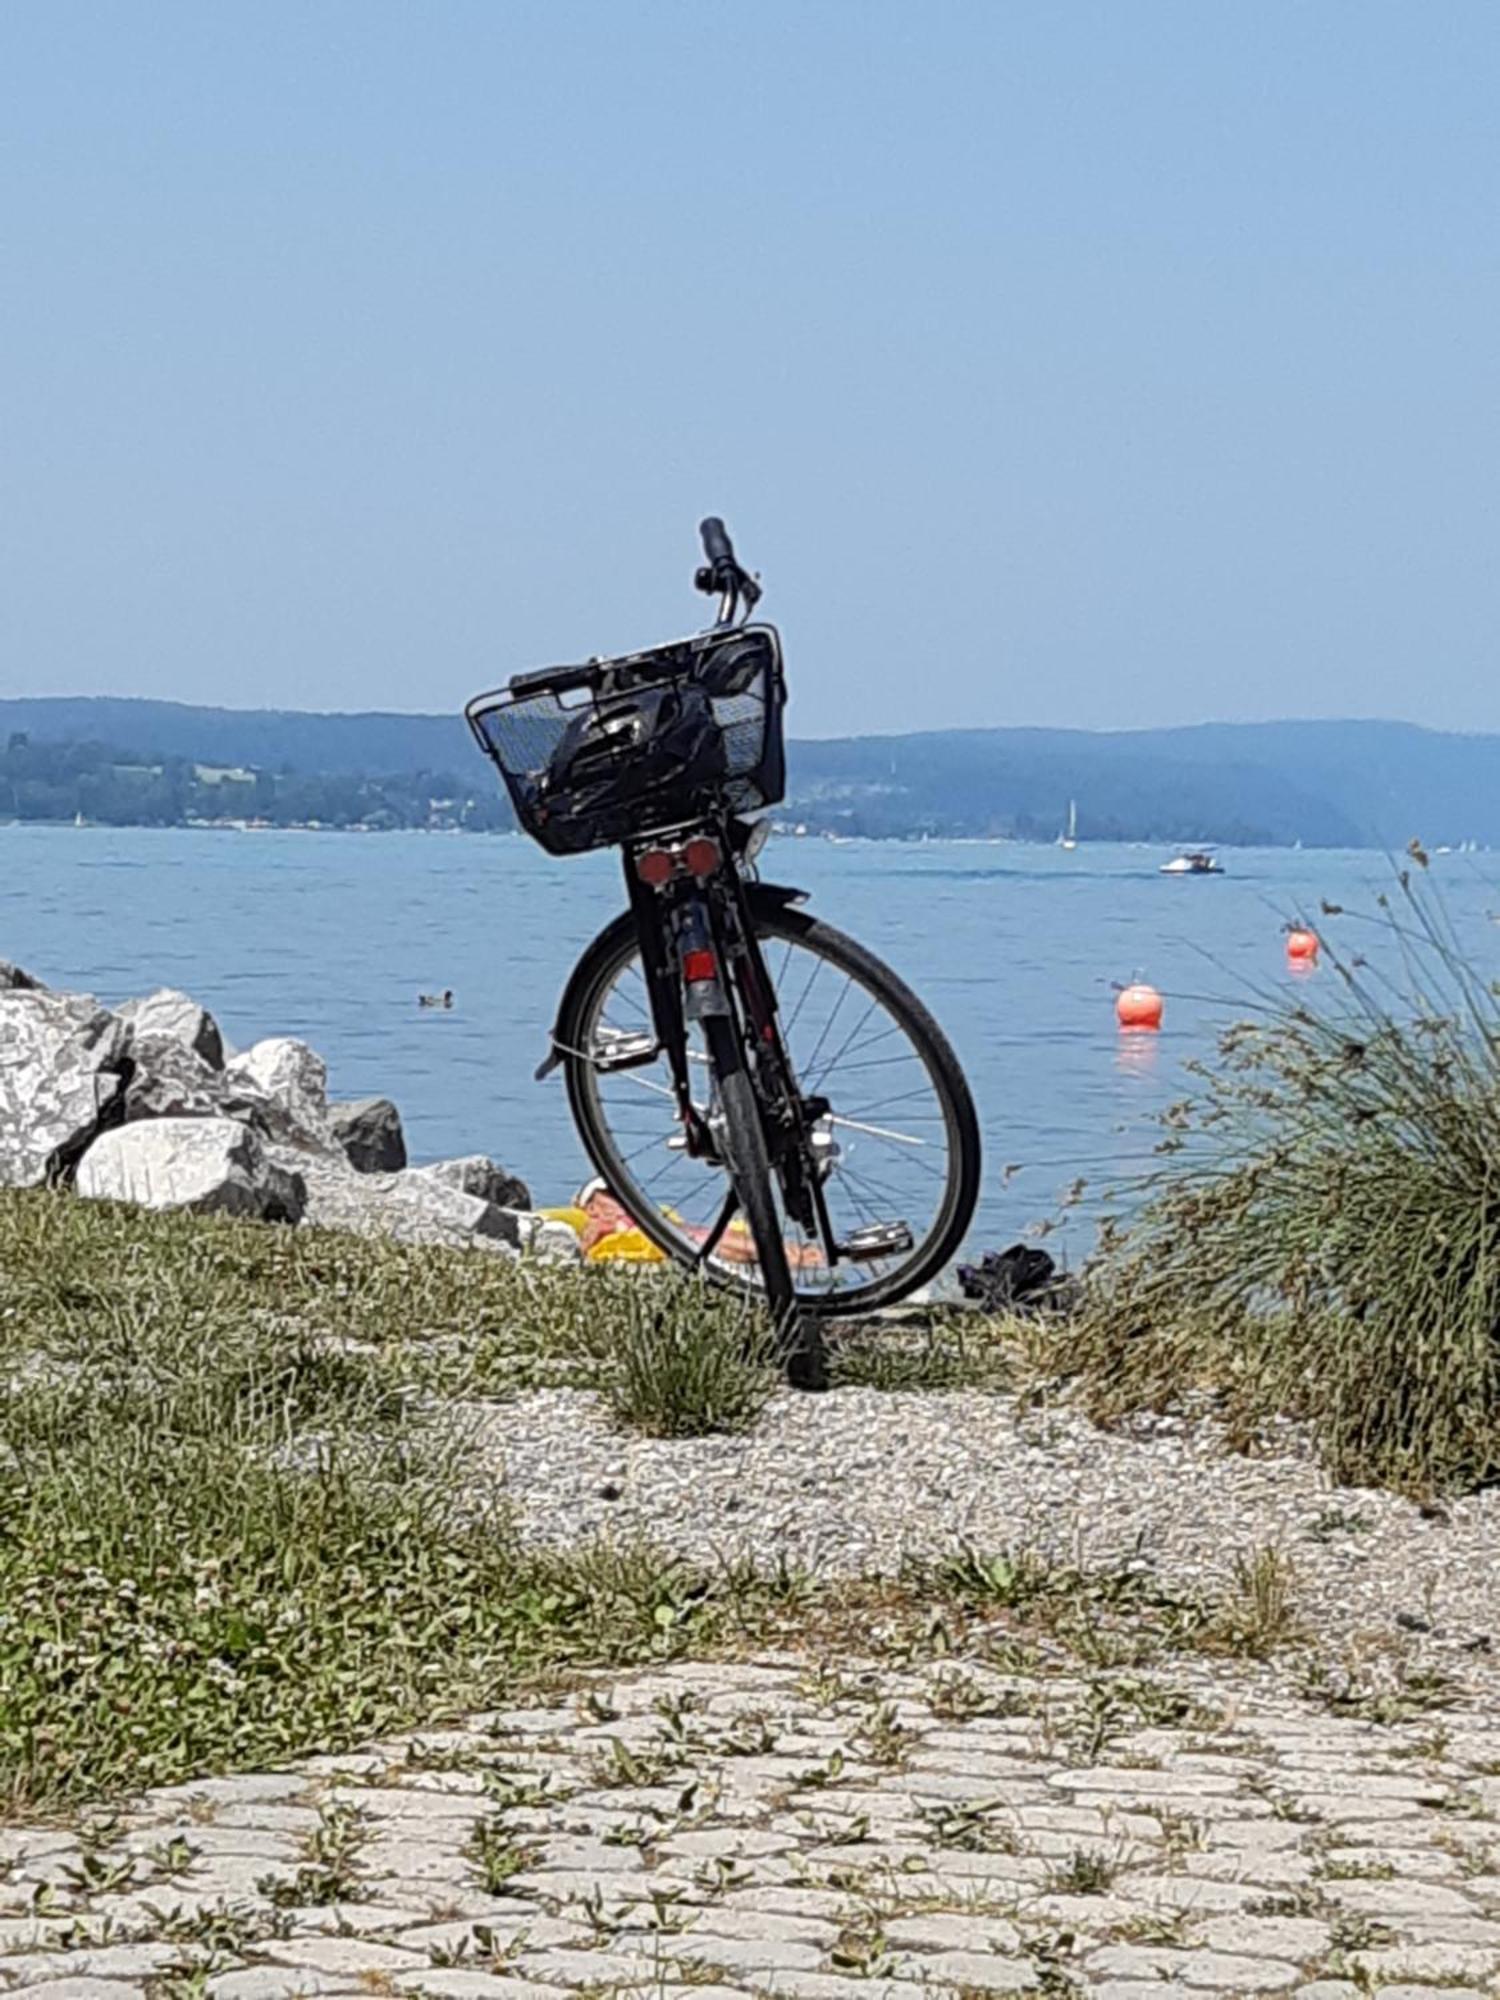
[1301, 945]
[1138, 1006]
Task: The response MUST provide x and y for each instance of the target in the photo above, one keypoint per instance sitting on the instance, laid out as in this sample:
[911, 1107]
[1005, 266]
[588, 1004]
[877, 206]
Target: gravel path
[849, 1483]
[764, 1830]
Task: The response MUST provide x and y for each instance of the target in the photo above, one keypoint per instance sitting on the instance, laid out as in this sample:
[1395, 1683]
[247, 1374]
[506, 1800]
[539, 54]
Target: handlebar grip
[553, 680]
[717, 546]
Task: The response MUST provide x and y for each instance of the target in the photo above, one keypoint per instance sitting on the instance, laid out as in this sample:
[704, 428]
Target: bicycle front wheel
[897, 1153]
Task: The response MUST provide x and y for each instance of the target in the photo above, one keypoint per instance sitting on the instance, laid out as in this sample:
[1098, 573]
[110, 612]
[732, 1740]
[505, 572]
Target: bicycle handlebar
[716, 543]
[722, 576]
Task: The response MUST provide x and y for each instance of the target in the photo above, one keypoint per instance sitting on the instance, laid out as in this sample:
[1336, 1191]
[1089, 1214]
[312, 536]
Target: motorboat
[1193, 861]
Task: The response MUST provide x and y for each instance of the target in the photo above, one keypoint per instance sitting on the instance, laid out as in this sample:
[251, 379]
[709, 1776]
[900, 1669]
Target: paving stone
[82, 1987]
[1193, 1968]
[1405, 1991]
[1296, 1938]
[962, 1931]
[1187, 1891]
[351, 1916]
[271, 1982]
[538, 1930]
[431, 1862]
[345, 1954]
[460, 1981]
[981, 1968]
[247, 1789]
[112, 1961]
[1429, 1964]
[766, 1954]
[382, 1802]
[1394, 1896]
[839, 1986]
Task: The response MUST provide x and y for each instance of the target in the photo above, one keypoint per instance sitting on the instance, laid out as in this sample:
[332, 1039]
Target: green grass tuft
[1323, 1240]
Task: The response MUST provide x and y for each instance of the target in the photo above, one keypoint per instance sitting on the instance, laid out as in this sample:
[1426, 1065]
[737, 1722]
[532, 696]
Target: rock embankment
[144, 1103]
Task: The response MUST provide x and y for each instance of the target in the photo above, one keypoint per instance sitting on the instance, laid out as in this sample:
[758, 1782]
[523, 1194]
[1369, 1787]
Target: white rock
[294, 1076]
[175, 1017]
[408, 1207]
[476, 1174]
[61, 1069]
[208, 1165]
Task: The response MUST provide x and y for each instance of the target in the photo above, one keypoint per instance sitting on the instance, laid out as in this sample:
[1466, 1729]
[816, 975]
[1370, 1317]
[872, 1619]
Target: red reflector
[655, 866]
[702, 856]
[698, 966]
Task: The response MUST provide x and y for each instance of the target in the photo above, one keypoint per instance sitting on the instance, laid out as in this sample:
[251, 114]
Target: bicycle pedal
[623, 1051]
[878, 1239]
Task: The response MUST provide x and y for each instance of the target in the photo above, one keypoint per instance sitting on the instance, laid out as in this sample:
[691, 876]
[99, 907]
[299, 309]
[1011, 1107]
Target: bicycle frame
[700, 956]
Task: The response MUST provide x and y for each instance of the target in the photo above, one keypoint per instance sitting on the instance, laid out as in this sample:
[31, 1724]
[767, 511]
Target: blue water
[1015, 949]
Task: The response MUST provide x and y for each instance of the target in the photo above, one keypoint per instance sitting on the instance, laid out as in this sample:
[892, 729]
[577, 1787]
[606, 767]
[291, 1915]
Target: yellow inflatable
[625, 1246]
[576, 1218]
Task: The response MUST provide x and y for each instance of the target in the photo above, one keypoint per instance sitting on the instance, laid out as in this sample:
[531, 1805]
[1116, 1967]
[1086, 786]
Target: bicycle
[753, 1130]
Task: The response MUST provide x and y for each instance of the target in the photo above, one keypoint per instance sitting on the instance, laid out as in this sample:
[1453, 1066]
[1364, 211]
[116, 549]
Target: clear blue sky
[1131, 362]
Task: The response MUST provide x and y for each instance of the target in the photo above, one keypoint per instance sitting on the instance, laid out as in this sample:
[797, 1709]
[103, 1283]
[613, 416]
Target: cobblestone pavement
[760, 1828]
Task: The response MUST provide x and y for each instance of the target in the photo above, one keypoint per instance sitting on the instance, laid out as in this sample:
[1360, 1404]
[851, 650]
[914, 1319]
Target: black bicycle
[772, 1105]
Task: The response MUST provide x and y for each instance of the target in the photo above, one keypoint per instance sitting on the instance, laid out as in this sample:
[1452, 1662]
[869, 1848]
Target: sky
[1054, 362]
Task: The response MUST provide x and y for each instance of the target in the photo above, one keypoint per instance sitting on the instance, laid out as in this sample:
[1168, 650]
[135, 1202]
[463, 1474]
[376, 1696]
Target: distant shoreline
[811, 837]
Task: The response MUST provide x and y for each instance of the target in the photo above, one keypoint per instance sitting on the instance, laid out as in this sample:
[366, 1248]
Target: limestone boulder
[286, 1083]
[406, 1207]
[369, 1133]
[14, 980]
[172, 1016]
[63, 1068]
[211, 1166]
[477, 1175]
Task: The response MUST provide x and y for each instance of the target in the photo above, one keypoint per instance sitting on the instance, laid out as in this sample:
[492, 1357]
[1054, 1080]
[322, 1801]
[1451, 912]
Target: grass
[679, 1359]
[237, 1526]
[952, 1351]
[1323, 1236]
[232, 1531]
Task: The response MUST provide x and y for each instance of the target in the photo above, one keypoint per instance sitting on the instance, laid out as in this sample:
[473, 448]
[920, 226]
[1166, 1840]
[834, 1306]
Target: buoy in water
[1301, 945]
[1138, 1006]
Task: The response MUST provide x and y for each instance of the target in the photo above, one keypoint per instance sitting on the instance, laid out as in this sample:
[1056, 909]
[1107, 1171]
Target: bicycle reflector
[702, 856]
[698, 966]
[655, 866]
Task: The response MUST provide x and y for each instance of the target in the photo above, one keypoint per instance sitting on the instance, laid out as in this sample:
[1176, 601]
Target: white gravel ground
[849, 1483]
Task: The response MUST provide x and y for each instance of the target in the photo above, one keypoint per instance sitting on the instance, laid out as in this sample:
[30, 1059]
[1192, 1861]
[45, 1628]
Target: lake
[1016, 950]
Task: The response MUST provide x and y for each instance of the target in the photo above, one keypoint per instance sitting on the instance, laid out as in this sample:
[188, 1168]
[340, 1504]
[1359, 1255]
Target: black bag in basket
[656, 741]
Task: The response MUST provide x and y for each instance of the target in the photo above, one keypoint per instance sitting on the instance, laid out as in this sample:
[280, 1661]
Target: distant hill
[1324, 783]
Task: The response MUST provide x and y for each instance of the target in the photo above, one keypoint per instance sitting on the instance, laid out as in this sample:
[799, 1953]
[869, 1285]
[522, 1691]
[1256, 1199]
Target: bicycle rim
[899, 1148]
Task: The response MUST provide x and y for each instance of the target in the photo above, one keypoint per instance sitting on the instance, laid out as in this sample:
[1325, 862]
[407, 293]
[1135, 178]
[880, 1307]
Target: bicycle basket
[597, 755]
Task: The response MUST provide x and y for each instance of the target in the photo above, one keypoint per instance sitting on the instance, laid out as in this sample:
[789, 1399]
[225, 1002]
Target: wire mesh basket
[597, 755]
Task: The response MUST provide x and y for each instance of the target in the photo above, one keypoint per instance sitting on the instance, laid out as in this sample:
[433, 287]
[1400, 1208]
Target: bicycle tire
[749, 1167]
[774, 918]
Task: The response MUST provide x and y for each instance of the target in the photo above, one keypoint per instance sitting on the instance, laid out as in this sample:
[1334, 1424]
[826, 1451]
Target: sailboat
[1069, 840]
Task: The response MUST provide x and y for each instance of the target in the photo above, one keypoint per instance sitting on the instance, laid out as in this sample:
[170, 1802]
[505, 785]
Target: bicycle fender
[622, 926]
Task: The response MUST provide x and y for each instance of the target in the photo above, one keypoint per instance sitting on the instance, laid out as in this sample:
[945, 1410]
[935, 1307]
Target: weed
[882, 1737]
[1351, 1868]
[1334, 1521]
[971, 1827]
[1169, 1927]
[1086, 1872]
[328, 1875]
[682, 1359]
[960, 1351]
[1258, 1613]
[621, 1766]
[494, 1854]
[1351, 1930]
